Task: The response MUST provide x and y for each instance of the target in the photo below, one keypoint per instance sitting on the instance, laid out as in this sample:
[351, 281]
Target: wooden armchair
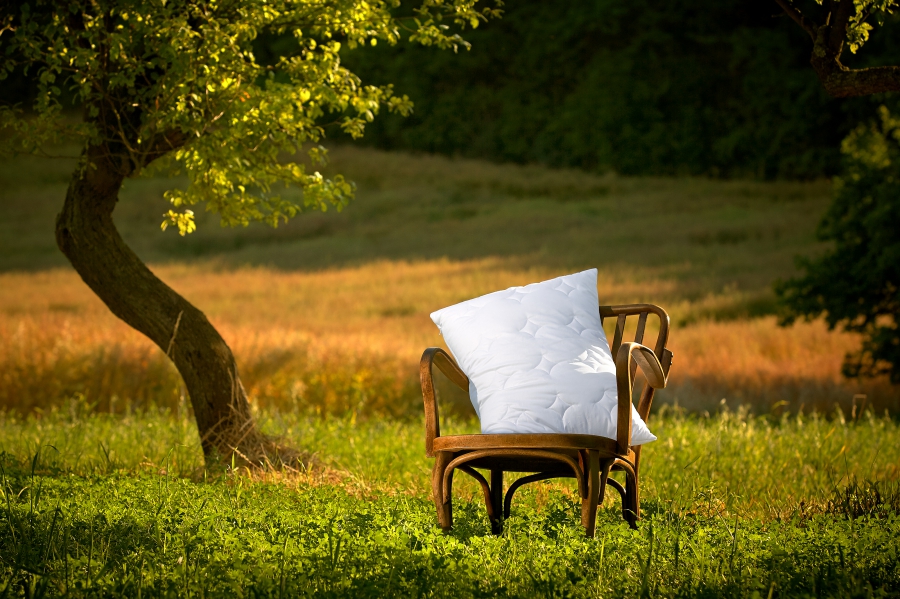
[587, 458]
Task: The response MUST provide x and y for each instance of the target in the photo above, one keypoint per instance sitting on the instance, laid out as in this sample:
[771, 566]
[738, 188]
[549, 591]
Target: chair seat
[502, 451]
[547, 441]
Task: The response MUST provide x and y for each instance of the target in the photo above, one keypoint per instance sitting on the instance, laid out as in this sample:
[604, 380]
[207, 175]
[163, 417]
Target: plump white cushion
[537, 359]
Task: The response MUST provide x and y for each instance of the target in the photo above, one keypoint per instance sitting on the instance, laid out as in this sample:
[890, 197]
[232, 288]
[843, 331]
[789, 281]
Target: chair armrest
[631, 353]
[447, 365]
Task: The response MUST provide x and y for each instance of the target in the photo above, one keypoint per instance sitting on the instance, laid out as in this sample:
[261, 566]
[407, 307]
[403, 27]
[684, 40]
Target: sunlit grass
[733, 505]
[767, 467]
[349, 340]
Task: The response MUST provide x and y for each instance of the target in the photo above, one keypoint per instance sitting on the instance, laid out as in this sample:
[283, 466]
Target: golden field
[330, 313]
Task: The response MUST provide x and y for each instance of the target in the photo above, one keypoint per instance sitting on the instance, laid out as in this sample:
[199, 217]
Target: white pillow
[537, 359]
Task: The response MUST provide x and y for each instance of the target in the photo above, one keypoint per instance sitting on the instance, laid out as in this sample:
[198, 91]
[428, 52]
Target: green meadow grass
[734, 505]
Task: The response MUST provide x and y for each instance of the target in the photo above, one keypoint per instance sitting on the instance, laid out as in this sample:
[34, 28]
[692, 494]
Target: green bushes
[856, 283]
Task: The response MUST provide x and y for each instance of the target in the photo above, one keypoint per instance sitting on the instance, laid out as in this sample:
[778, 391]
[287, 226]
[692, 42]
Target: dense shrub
[856, 283]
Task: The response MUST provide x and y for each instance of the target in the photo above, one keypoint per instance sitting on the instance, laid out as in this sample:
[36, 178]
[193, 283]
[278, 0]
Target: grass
[104, 492]
[330, 312]
[734, 505]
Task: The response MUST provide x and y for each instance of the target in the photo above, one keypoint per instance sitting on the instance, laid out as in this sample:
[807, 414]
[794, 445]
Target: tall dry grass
[348, 340]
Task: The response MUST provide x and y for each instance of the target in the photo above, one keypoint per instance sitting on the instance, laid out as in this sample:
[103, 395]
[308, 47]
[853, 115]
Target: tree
[856, 283]
[840, 22]
[175, 84]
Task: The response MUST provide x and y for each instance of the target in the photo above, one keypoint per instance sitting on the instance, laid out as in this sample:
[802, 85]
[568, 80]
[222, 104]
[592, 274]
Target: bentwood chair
[587, 458]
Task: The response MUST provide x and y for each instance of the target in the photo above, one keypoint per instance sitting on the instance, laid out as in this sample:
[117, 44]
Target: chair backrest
[642, 312]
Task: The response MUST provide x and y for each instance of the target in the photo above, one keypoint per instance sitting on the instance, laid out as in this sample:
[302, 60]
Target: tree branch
[838, 26]
[161, 145]
[828, 43]
[807, 25]
[850, 83]
[828, 5]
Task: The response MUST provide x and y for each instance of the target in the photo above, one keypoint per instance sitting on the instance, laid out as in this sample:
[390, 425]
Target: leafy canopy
[858, 26]
[176, 83]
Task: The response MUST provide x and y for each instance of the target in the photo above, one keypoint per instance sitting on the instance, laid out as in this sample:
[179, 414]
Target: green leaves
[183, 221]
[857, 28]
[176, 84]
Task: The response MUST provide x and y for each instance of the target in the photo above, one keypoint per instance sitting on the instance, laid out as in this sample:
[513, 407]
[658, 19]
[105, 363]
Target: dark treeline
[712, 87]
[707, 87]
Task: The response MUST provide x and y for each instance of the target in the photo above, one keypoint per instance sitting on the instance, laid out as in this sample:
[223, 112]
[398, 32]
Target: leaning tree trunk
[86, 234]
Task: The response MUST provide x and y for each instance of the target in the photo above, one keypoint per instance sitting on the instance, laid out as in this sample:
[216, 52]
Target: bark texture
[828, 44]
[841, 82]
[86, 234]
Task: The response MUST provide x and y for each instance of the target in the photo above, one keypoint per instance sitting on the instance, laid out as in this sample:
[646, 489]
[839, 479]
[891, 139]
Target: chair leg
[444, 510]
[589, 503]
[631, 503]
[496, 508]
